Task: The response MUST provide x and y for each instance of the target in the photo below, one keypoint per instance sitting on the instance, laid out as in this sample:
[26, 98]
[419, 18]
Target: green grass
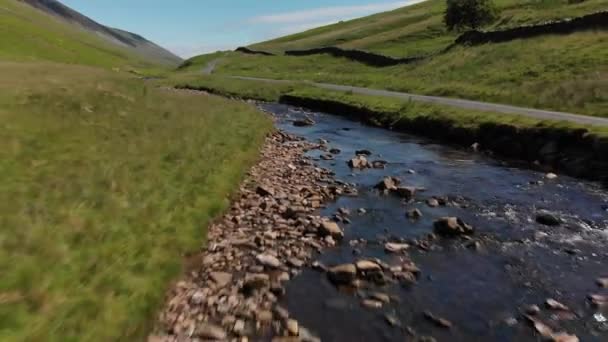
[27, 34]
[418, 29]
[387, 112]
[565, 73]
[106, 182]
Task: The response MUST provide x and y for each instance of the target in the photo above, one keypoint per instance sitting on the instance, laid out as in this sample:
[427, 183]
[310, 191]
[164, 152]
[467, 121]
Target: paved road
[466, 104]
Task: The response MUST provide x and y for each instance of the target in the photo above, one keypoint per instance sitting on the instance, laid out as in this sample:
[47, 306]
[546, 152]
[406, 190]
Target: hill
[47, 30]
[419, 29]
[564, 72]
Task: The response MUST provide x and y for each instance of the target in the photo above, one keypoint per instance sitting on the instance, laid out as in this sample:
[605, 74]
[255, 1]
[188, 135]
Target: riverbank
[577, 150]
[271, 231]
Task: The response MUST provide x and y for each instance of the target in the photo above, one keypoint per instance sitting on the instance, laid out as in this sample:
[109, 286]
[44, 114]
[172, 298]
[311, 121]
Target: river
[482, 285]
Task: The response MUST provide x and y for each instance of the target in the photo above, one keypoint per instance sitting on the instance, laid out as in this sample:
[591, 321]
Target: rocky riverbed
[348, 233]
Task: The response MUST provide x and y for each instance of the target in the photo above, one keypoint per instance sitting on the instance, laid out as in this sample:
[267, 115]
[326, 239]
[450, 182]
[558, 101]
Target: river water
[481, 290]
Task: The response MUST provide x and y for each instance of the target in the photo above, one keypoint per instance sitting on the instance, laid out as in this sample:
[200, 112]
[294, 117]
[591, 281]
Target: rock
[551, 176]
[362, 211]
[363, 152]
[414, 214]
[532, 310]
[264, 191]
[307, 336]
[432, 202]
[210, 331]
[381, 297]
[371, 304]
[599, 301]
[475, 147]
[264, 316]
[268, 260]
[547, 218]
[221, 279]
[379, 164]
[388, 184]
[393, 247]
[335, 151]
[327, 157]
[564, 337]
[451, 227]
[295, 262]
[392, 320]
[440, 322]
[555, 305]
[330, 228]
[342, 274]
[304, 122]
[602, 282]
[548, 334]
[292, 327]
[239, 327]
[359, 162]
[367, 266]
[407, 192]
[255, 281]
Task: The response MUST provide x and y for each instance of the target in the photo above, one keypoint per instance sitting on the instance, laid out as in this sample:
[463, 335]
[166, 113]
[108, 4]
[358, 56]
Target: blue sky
[191, 27]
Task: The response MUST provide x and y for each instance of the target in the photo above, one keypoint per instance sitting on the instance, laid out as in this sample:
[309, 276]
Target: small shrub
[462, 14]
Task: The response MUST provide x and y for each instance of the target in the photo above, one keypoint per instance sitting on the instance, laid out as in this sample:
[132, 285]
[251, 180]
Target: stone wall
[248, 51]
[356, 55]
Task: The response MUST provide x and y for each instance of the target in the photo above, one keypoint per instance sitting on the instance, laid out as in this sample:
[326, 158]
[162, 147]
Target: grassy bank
[106, 183]
[565, 73]
[419, 29]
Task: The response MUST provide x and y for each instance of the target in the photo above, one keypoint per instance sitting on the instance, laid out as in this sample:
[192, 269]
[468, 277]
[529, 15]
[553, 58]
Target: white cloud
[335, 12]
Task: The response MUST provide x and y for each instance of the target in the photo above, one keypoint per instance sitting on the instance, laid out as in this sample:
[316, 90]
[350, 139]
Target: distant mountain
[131, 41]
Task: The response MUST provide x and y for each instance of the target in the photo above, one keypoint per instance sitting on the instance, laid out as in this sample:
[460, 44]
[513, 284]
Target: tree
[469, 13]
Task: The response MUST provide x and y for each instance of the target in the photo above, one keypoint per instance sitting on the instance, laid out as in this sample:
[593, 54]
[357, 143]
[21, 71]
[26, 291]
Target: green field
[557, 72]
[107, 181]
[418, 29]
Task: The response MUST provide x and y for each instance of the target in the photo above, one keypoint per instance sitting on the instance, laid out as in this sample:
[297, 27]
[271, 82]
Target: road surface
[446, 101]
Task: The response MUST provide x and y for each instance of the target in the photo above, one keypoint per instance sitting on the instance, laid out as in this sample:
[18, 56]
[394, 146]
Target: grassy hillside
[106, 181]
[27, 34]
[418, 29]
[558, 72]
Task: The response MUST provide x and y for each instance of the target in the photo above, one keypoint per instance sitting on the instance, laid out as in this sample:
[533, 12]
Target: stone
[555, 305]
[392, 320]
[388, 184]
[393, 247]
[362, 211]
[379, 164]
[292, 327]
[363, 152]
[547, 218]
[367, 266]
[327, 157]
[210, 331]
[268, 260]
[335, 151]
[371, 304]
[599, 301]
[407, 192]
[264, 316]
[438, 321]
[451, 227]
[295, 262]
[342, 274]
[381, 297]
[264, 191]
[432, 202]
[304, 122]
[239, 327]
[331, 228]
[255, 281]
[602, 282]
[414, 214]
[551, 176]
[532, 310]
[359, 162]
[221, 279]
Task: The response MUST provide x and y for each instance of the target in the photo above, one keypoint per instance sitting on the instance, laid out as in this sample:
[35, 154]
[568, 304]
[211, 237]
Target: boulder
[268, 260]
[264, 191]
[407, 192]
[342, 274]
[208, 331]
[393, 247]
[221, 279]
[255, 281]
[363, 152]
[452, 226]
[388, 184]
[548, 218]
[359, 162]
[330, 228]
[379, 164]
[304, 122]
[414, 214]
[368, 266]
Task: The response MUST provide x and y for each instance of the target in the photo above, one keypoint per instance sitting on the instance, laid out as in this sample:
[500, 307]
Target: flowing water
[480, 290]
